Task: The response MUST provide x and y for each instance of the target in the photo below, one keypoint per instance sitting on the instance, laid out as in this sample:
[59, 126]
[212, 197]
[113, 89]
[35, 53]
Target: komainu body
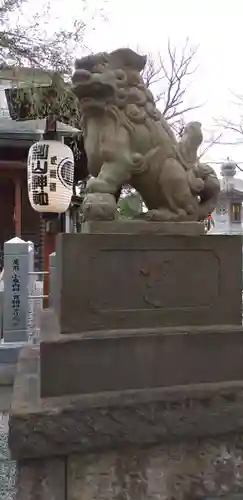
[128, 141]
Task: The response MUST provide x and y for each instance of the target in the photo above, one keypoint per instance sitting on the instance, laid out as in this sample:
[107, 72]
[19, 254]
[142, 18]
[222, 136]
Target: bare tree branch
[227, 123]
[34, 42]
[239, 168]
[214, 140]
[169, 78]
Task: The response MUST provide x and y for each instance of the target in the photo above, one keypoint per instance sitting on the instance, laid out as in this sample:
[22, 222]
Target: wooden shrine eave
[25, 75]
[232, 194]
[17, 142]
[17, 138]
[6, 165]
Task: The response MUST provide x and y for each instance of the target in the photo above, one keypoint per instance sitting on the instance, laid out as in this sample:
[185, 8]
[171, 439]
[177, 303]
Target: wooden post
[52, 279]
[49, 223]
[17, 206]
[48, 232]
[49, 248]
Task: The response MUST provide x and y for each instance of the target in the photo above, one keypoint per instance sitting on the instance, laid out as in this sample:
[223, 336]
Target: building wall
[6, 210]
[30, 220]
[3, 102]
[222, 215]
[223, 222]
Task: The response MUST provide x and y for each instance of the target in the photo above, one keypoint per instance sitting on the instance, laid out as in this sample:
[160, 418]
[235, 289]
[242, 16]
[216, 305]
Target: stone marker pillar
[31, 287]
[17, 263]
[52, 281]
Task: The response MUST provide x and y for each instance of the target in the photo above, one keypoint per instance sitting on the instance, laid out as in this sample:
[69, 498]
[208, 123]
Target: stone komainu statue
[128, 141]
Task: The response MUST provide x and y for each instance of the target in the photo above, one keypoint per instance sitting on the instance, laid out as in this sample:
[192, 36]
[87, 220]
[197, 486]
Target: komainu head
[114, 78]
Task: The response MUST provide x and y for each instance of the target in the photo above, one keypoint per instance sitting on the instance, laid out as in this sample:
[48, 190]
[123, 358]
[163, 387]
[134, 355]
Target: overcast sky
[214, 25]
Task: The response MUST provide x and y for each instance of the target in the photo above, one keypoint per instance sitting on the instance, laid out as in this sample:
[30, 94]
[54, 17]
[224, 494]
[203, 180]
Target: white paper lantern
[50, 176]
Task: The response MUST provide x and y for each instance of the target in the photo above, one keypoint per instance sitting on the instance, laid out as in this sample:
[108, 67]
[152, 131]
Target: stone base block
[122, 281]
[204, 470]
[143, 227]
[195, 470]
[42, 480]
[42, 427]
[140, 359]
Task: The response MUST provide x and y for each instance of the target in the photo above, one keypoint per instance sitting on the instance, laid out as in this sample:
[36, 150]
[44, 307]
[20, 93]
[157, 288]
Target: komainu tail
[210, 193]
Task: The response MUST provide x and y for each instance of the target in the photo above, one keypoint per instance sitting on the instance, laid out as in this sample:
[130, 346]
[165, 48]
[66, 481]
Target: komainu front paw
[99, 206]
[95, 185]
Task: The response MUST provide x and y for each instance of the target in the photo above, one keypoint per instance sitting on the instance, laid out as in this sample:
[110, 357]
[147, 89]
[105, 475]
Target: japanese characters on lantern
[50, 176]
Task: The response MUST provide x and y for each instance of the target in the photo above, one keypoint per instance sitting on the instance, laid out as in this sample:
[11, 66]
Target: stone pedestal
[174, 442]
[139, 372]
[123, 281]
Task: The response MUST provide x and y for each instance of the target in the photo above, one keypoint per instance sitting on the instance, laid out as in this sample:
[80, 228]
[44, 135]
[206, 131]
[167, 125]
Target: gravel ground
[7, 466]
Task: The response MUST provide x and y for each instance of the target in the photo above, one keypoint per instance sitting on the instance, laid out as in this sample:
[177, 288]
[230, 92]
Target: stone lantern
[228, 215]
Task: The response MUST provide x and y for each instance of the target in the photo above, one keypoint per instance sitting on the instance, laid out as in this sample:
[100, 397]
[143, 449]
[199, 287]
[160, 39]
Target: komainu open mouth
[93, 90]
